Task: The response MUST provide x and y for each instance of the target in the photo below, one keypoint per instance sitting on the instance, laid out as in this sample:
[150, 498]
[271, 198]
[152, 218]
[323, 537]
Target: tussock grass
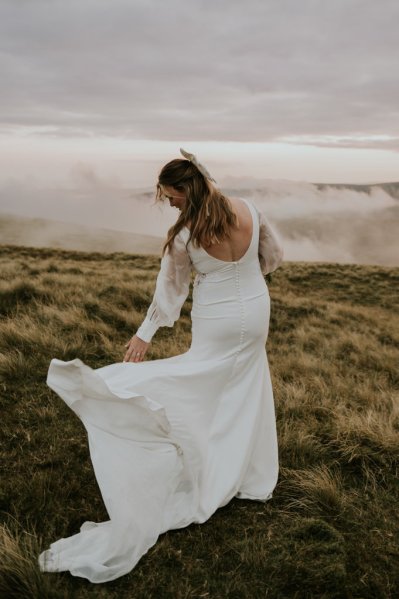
[330, 530]
[19, 575]
[317, 491]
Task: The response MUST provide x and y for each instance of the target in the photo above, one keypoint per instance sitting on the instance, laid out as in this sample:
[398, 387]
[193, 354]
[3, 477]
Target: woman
[172, 440]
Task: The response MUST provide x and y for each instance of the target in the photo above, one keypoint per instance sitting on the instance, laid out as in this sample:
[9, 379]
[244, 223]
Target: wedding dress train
[171, 440]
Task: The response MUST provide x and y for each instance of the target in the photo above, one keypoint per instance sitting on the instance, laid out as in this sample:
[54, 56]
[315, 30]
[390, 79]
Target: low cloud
[353, 224]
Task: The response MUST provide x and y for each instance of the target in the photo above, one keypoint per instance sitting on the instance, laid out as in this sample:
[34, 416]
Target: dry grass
[332, 526]
[19, 574]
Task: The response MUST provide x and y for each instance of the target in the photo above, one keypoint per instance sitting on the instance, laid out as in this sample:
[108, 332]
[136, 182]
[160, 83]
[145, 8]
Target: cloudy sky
[276, 89]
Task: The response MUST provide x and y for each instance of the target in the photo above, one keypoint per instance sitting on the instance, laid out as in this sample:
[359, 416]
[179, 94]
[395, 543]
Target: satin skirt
[172, 440]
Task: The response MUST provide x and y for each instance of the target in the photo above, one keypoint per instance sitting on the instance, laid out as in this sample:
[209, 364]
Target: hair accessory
[192, 158]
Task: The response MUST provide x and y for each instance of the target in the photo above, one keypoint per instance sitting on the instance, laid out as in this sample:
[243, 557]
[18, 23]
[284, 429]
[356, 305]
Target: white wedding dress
[172, 440]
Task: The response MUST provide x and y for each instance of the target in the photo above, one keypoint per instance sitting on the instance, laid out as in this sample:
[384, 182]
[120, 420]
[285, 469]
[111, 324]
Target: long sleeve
[171, 290]
[270, 250]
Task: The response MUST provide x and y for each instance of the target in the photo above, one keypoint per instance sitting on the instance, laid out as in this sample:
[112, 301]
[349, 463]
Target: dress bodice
[263, 255]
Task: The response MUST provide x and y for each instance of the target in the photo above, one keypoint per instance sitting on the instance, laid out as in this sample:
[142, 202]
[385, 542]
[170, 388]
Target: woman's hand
[136, 349]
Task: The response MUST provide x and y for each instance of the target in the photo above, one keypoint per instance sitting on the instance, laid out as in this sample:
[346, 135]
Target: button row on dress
[242, 310]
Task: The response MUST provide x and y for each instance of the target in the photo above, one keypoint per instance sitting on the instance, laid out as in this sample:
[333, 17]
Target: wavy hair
[207, 212]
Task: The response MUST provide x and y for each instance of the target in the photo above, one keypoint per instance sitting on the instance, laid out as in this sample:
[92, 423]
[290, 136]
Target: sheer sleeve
[171, 290]
[270, 250]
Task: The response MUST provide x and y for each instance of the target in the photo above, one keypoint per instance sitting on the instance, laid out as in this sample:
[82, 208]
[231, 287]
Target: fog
[335, 223]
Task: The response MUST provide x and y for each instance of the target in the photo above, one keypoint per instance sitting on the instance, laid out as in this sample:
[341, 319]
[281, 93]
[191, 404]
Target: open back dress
[171, 440]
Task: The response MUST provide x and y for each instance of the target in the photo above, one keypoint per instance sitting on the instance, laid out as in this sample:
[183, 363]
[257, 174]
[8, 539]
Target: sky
[270, 89]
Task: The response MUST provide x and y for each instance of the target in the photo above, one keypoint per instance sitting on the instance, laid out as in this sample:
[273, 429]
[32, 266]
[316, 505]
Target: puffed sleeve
[270, 249]
[171, 290]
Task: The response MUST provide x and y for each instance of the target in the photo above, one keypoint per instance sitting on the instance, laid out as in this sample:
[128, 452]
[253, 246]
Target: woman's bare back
[236, 246]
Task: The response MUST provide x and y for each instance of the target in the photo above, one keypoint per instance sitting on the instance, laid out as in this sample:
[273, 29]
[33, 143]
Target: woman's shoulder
[183, 235]
[240, 201]
[242, 207]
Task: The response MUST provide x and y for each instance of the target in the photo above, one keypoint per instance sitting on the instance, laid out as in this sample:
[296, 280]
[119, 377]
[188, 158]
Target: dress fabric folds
[171, 440]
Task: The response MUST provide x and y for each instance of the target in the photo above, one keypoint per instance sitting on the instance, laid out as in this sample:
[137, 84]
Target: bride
[171, 440]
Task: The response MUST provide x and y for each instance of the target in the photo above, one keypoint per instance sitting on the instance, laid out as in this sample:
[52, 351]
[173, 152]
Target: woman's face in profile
[176, 198]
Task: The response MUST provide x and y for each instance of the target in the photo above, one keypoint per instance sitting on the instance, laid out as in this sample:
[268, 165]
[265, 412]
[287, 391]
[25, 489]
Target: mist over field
[344, 223]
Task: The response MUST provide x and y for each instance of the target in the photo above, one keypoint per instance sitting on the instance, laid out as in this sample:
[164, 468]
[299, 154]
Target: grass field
[332, 526]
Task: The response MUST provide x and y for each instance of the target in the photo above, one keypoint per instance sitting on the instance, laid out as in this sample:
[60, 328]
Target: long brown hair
[206, 210]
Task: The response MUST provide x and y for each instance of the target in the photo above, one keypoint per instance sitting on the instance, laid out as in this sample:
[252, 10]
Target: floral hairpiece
[192, 158]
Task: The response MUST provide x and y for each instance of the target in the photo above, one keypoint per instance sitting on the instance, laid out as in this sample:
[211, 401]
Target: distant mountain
[41, 232]
[391, 189]
[249, 185]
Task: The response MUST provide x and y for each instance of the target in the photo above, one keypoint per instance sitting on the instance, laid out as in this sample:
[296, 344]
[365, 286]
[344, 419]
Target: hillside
[42, 232]
[332, 526]
[391, 188]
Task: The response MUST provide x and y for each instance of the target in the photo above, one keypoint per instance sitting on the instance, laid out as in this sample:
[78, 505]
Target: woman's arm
[270, 251]
[171, 290]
